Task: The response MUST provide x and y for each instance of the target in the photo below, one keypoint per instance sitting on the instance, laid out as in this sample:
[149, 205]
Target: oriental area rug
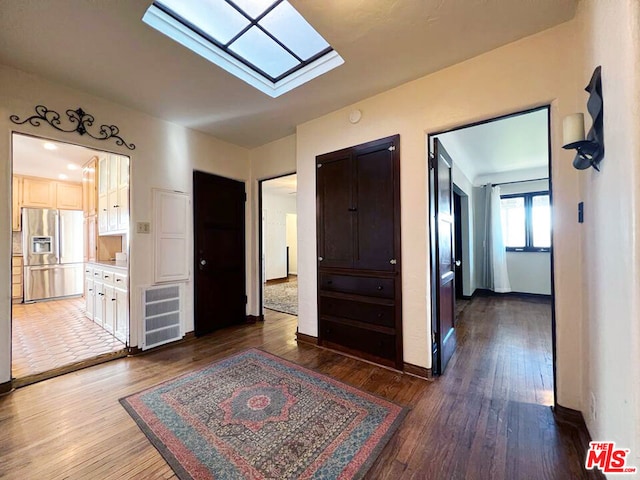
[258, 416]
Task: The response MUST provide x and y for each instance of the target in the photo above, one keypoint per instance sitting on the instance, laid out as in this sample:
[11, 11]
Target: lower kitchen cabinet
[107, 298]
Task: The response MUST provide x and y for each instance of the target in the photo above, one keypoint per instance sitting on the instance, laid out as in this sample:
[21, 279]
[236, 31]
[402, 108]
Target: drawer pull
[380, 315]
[118, 279]
[106, 276]
[379, 287]
[113, 299]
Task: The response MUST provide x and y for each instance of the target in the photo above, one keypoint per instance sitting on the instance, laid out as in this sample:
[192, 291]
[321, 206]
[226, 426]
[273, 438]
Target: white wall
[610, 232]
[292, 242]
[165, 157]
[275, 208]
[535, 71]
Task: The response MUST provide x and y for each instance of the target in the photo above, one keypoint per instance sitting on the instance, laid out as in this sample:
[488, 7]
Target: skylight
[266, 43]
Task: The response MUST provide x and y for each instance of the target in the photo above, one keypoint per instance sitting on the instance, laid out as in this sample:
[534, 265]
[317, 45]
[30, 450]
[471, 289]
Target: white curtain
[496, 276]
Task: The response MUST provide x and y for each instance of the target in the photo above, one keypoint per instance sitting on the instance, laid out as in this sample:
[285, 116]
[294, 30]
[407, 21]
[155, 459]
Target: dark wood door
[442, 252]
[336, 210]
[376, 207]
[219, 231]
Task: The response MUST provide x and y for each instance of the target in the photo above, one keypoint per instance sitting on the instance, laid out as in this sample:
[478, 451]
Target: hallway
[487, 418]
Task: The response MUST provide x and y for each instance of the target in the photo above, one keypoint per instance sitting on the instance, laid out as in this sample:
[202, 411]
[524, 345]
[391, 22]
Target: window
[266, 43]
[526, 222]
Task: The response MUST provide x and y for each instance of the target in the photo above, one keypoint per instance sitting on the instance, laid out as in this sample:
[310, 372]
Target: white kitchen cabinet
[109, 308]
[113, 194]
[121, 327]
[89, 297]
[98, 309]
[107, 298]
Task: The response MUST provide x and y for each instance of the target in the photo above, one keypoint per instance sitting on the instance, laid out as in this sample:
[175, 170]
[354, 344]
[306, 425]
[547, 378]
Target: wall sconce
[590, 150]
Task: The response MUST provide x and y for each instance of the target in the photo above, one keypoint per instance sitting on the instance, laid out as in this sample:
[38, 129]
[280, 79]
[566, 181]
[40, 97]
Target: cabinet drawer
[120, 280]
[108, 277]
[368, 341]
[16, 271]
[373, 313]
[16, 290]
[97, 274]
[88, 271]
[368, 286]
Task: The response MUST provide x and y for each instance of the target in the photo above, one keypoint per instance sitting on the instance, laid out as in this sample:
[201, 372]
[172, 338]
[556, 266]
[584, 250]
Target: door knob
[458, 263]
[203, 262]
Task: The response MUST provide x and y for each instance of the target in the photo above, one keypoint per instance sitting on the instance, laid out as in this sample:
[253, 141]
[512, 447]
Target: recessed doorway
[501, 185]
[279, 244]
[70, 227]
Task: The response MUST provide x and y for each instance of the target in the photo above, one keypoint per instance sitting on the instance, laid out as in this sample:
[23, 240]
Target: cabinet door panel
[335, 213]
[121, 327]
[375, 216]
[114, 162]
[68, 196]
[112, 207]
[109, 308]
[103, 214]
[123, 209]
[38, 193]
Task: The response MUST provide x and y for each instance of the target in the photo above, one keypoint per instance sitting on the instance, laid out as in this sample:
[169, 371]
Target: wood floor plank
[487, 418]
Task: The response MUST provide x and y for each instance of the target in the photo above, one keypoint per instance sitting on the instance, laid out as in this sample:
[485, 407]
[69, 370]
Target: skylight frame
[176, 27]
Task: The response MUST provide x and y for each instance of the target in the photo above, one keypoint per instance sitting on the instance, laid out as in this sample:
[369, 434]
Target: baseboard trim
[568, 416]
[416, 371]
[308, 339]
[484, 292]
[255, 318]
[6, 387]
[574, 419]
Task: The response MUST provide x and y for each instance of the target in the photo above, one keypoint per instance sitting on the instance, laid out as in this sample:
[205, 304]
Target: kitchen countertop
[108, 263]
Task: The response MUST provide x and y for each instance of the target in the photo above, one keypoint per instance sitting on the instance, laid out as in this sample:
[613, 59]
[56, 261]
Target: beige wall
[610, 231]
[268, 161]
[535, 71]
[165, 157]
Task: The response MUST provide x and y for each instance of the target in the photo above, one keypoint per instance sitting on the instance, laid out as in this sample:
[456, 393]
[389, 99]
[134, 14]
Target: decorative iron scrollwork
[80, 122]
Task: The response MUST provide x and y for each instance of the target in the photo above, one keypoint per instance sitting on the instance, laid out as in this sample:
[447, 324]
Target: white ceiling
[103, 47]
[513, 144]
[281, 186]
[31, 158]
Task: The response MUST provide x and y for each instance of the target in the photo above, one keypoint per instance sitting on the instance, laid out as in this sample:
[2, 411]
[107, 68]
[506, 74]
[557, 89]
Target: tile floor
[50, 335]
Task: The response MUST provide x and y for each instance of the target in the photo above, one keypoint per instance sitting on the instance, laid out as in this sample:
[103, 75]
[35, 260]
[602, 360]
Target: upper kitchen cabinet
[68, 196]
[89, 187]
[113, 194]
[46, 193]
[38, 193]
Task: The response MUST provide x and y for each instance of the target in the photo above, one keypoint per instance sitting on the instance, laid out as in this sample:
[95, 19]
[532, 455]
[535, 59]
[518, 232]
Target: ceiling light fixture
[50, 146]
[62, 176]
[73, 166]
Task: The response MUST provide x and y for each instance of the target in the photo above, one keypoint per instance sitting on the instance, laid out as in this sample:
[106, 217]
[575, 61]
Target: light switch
[143, 227]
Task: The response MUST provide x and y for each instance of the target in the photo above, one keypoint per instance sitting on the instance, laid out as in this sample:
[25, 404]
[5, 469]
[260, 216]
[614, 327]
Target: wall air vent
[161, 311]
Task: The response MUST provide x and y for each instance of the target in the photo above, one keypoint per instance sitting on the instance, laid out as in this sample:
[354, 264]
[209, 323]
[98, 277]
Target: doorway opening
[70, 228]
[278, 240]
[499, 175]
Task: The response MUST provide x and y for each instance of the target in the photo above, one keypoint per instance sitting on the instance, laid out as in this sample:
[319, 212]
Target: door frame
[260, 237]
[54, 139]
[430, 137]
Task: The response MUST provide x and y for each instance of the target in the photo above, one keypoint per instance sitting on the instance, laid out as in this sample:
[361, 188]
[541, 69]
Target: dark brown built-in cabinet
[358, 226]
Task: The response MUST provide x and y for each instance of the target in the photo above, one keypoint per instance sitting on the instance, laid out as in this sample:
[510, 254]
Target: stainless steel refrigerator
[52, 247]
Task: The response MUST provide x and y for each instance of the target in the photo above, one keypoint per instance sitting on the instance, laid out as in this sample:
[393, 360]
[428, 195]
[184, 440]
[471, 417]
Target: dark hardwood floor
[488, 417]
